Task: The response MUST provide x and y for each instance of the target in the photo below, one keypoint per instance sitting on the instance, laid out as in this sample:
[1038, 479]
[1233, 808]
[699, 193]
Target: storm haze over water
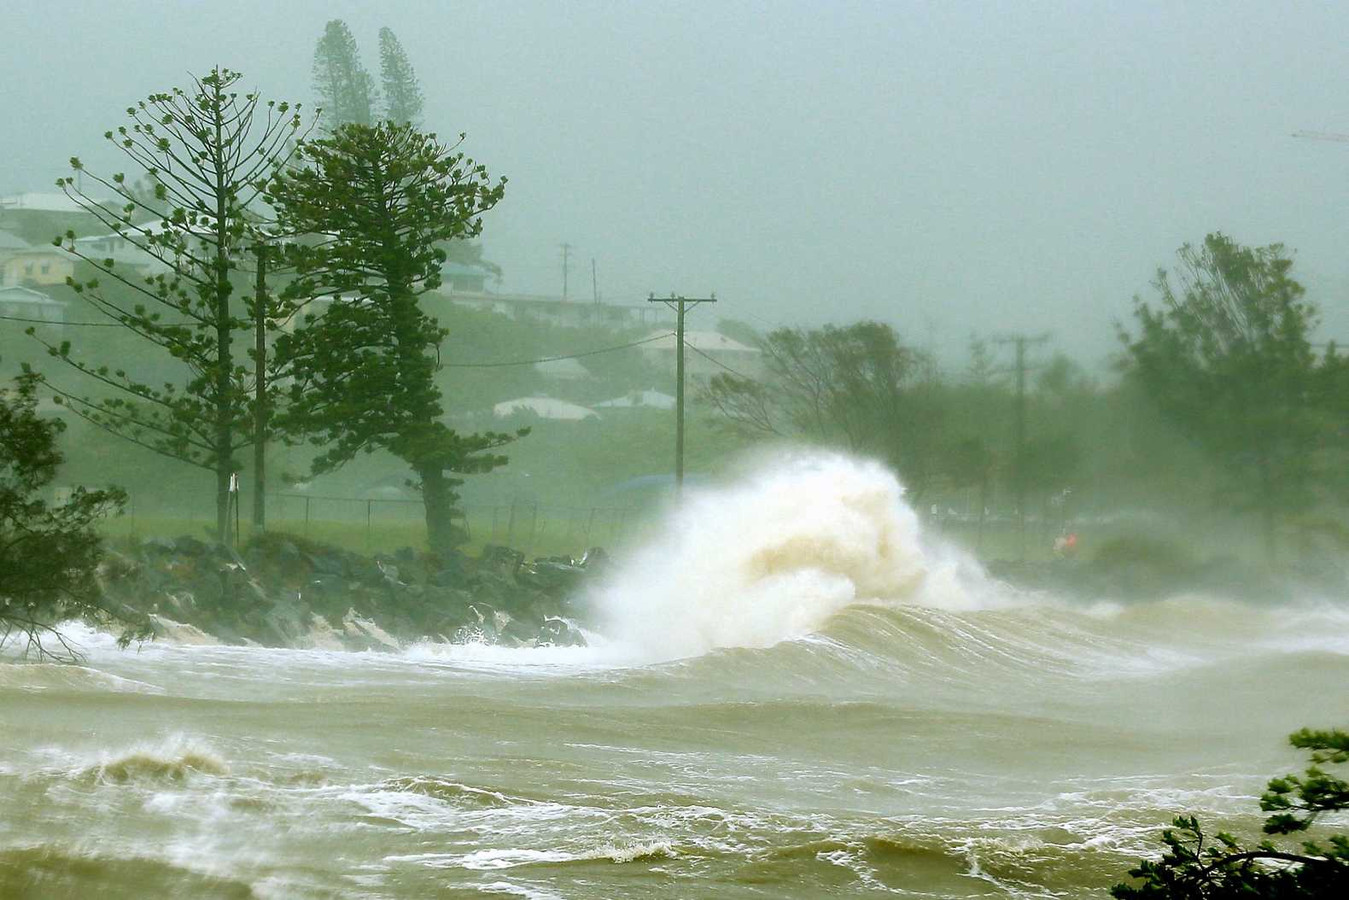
[942, 167]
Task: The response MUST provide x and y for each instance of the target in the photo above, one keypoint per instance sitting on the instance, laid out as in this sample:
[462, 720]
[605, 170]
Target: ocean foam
[772, 556]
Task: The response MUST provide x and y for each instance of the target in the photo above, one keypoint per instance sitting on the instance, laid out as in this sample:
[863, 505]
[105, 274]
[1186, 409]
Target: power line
[50, 322]
[491, 365]
[713, 359]
[530, 362]
[86, 324]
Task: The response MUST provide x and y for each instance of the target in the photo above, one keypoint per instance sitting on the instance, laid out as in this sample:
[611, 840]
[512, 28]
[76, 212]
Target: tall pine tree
[380, 201]
[402, 93]
[202, 153]
[346, 92]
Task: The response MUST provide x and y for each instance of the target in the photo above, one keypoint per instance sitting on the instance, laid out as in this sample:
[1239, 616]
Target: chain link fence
[380, 523]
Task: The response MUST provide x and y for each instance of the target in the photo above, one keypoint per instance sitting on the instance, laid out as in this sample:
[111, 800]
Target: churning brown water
[802, 698]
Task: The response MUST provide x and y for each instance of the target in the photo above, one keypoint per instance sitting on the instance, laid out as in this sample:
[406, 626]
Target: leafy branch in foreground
[1196, 866]
[49, 553]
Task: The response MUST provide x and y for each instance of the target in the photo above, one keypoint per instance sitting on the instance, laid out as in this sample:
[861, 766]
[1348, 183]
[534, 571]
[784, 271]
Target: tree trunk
[224, 403]
[438, 498]
[260, 411]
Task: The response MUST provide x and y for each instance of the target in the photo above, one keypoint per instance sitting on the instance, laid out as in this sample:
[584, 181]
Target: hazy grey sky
[946, 167]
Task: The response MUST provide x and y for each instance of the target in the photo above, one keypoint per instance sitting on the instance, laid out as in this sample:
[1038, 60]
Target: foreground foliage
[48, 552]
[1199, 866]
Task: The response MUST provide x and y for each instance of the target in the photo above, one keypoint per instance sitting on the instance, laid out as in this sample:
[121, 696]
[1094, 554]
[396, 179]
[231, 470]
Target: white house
[706, 353]
[544, 408]
[562, 369]
[639, 400]
[30, 306]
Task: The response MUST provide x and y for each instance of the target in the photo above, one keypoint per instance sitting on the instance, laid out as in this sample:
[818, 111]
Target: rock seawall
[283, 591]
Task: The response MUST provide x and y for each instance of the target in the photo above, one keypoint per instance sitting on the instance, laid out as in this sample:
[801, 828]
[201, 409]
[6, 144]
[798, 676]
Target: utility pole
[1019, 472]
[594, 282]
[566, 265]
[679, 305]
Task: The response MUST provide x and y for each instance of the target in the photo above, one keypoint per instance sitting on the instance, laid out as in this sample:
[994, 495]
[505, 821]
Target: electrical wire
[713, 359]
[489, 365]
[530, 362]
[49, 322]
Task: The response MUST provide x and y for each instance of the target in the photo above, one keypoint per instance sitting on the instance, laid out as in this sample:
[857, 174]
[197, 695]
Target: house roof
[464, 269]
[42, 202]
[639, 399]
[544, 408]
[706, 341]
[566, 369]
[28, 295]
[10, 241]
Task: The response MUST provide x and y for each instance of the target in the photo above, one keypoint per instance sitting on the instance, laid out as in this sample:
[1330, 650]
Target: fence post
[533, 527]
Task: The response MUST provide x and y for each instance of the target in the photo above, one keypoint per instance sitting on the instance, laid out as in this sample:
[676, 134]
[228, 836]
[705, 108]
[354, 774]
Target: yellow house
[22, 263]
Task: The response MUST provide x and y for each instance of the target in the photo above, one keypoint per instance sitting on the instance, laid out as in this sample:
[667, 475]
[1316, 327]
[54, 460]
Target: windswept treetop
[345, 90]
[1226, 354]
[381, 198]
[402, 93]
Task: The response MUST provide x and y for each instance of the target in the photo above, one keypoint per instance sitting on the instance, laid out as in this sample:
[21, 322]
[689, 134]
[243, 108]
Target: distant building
[544, 408]
[562, 370]
[30, 307]
[458, 278]
[23, 263]
[125, 250]
[12, 243]
[37, 201]
[707, 353]
[639, 400]
[549, 310]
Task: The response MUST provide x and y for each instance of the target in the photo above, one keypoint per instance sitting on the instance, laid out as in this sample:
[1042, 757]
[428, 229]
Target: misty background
[948, 169]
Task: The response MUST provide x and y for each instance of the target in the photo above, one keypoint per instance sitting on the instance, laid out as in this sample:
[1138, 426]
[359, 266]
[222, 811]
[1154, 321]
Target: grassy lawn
[552, 539]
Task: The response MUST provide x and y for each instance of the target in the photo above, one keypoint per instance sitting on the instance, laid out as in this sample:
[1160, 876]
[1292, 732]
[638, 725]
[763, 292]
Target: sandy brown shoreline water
[807, 700]
[1009, 753]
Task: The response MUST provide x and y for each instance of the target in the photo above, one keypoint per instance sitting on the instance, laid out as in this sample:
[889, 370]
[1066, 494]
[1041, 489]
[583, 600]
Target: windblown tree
[402, 93]
[346, 92]
[1201, 866]
[49, 553]
[204, 154]
[855, 386]
[1226, 355]
[376, 201]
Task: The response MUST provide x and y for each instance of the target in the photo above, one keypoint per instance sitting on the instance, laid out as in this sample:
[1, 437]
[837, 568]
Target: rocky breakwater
[282, 591]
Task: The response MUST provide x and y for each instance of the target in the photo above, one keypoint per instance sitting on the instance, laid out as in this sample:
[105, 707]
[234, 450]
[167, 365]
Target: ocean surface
[791, 692]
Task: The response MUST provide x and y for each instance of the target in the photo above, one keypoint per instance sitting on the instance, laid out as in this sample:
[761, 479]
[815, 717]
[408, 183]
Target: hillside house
[30, 307]
[707, 353]
[544, 408]
[23, 263]
[549, 310]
